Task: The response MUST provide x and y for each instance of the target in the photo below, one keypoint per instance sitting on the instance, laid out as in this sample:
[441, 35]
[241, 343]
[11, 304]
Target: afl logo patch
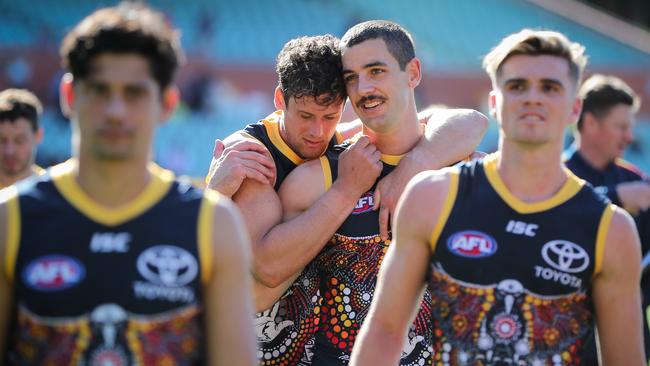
[53, 273]
[472, 244]
[364, 204]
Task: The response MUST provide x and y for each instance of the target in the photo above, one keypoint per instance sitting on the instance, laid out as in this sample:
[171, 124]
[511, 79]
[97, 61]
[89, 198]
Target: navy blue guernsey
[605, 182]
[267, 131]
[285, 332]
[348, 266]
[100, 286]
[511, 281]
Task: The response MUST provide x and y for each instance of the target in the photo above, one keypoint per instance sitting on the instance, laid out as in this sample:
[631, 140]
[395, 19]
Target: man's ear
[38, 135]
[278, 99]
[576, 109]
[66, 94]
[492, 100]
[170, 99]
[414, 70]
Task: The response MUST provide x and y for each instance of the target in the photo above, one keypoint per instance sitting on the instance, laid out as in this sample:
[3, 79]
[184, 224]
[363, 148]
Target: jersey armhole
[205, 234]
[445, 211]
[603, 229]
[13, 232]
[327, 172]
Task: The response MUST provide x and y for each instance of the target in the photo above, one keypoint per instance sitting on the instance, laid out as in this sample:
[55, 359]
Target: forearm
[290, 246]
[377, 345]
[450, 136]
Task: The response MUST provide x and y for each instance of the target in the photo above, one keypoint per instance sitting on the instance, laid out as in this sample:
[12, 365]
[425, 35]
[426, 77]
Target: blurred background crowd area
[231, 46]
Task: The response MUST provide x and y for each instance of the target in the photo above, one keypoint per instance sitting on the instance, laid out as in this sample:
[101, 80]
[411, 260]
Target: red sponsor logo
[472, 244]
[364, 204]
[52, 273]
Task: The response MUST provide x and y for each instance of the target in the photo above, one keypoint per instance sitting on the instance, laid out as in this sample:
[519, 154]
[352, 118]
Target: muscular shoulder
[427, 200]
[622, 245]
[303, 186]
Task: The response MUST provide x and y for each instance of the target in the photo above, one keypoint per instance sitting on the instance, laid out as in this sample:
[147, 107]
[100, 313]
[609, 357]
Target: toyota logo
[565, 256]
[167, 265]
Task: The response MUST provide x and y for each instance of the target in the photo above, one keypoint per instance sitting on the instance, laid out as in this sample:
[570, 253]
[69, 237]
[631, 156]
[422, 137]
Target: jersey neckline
[569, 189]
[65, 182]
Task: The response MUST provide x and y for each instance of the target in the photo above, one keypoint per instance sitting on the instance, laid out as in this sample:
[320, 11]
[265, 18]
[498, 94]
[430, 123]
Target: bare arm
[313, 214]
[617, 295]
[229, 308]
[5, 288]
[634, 196]
[450, 136]
[400, 282]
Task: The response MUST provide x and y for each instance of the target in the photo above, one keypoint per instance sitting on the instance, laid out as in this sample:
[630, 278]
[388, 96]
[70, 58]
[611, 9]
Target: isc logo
[52, 273]
[472, 244]
[521, 228]
[110, 242]
[364, 204]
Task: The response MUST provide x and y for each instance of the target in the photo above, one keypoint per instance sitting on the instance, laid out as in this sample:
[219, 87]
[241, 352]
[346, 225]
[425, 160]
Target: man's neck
[112, 183]
[400, 139]
[593, 157]
[531, 175]
[7, 180]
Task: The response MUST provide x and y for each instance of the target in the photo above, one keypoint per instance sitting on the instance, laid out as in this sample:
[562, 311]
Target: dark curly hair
[311, 66]
[20, 103]
[399, 41]
[127, 28]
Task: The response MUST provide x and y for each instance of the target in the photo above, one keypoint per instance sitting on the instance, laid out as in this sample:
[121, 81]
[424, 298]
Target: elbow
[478, 122]
[266, 275]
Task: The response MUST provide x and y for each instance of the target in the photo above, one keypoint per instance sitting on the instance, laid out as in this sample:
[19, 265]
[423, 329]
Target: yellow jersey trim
[64, 180]
[37, 170]
[391, 159]
[570, 188]
[205, 234]
[339, 137]
[446, 208]
[273, 130]
[603, 229]
[13, 231]
[327, 172]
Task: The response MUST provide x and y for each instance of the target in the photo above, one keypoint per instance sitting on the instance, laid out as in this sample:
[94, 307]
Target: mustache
[369, 98]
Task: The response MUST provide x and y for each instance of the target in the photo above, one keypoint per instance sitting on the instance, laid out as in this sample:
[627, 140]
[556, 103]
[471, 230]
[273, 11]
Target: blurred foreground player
[107, 259]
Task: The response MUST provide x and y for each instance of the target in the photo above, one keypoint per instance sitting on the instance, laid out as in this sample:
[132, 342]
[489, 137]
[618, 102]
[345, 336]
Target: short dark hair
[398, 40]
[127, 28]
[311, 66]
[20, 103]
[600, 93]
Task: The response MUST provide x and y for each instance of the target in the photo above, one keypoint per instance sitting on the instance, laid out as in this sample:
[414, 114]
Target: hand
[243, 159]
[266, 328]
[388, 191]
[634, 196]
[358, 168]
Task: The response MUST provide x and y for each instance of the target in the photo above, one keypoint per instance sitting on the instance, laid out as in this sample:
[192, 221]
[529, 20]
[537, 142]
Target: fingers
[376, 198]
[384, 217]
[218, 148]
[255, 161]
